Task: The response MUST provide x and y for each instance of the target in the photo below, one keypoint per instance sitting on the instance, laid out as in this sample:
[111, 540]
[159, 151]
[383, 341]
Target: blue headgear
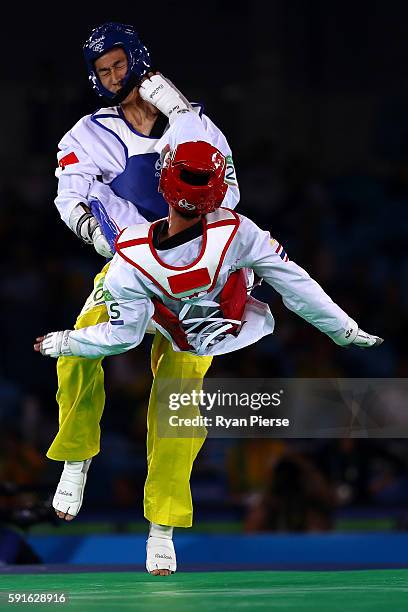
[106, 37]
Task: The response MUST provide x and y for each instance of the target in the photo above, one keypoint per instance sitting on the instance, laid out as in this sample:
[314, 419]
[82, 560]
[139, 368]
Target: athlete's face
[111, 69]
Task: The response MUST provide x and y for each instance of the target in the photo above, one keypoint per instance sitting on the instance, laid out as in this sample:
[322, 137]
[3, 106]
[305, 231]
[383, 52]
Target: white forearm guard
[86, 227]
[161, 92]
[83, 223]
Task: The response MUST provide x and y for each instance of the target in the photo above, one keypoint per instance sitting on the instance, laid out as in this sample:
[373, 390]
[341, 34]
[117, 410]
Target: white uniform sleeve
[76, 173]
[130, 311]
[125, 330]
[189, 127]
[218, 139]
[300, 293]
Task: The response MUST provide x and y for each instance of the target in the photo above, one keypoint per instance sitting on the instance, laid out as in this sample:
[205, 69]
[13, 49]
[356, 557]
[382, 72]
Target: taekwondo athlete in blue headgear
[108, 177]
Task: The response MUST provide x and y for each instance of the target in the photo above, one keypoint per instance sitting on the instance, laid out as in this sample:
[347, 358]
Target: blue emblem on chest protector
[138, 183]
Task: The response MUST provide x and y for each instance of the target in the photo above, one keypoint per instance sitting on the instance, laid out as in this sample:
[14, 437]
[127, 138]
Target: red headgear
[192, 178]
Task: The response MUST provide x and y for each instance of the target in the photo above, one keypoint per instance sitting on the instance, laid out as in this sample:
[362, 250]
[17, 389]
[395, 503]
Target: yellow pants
[81, 398]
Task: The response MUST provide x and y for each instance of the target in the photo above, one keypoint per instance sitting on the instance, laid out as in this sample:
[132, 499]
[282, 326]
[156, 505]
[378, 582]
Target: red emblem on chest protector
[71, 158]
[187, 281]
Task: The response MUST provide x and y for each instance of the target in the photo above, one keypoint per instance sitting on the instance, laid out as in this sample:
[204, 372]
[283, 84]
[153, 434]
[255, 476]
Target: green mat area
[373, 590]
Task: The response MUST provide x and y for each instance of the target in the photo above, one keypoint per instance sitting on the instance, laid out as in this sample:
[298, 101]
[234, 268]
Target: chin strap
[122, 94]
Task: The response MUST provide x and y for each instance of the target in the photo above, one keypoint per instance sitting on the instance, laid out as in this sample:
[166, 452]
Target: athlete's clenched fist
[54, 344]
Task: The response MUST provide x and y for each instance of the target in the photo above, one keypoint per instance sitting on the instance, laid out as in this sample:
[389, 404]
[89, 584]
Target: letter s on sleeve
[114, 314]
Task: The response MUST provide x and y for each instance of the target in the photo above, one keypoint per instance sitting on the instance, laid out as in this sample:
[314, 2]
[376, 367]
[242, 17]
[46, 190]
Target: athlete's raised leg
[81, 400]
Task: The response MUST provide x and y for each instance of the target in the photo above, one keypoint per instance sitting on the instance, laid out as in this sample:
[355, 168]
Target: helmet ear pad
[192, 178]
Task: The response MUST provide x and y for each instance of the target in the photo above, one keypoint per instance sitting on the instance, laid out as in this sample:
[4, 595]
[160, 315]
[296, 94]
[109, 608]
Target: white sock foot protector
[160, 553]
[70, 490]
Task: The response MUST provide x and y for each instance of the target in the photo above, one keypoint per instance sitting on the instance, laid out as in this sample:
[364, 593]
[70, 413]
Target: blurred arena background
[312, 97]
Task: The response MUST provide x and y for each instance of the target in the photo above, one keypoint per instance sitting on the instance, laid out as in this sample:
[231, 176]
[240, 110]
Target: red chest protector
[233, 298]
[135, 245]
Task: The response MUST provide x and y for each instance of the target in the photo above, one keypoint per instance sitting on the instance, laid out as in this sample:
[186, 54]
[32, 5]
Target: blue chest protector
[138, 183]
[139, 180]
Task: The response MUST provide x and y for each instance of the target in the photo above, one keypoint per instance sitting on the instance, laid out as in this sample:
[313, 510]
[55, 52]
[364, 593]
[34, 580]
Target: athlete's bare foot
[64, 515]
[161, 572]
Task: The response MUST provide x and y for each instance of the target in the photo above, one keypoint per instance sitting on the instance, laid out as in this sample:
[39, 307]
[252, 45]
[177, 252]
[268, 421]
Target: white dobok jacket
[105, 163]
[195, 292]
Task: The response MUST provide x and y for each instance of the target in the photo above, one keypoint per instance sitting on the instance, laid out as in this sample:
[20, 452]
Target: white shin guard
[160, 553]
[70, 490]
